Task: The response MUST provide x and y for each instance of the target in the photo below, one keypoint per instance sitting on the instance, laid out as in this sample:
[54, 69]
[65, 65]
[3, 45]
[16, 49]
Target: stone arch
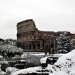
[38, 46]
[34, 46]
[26, 46]
[29, 46]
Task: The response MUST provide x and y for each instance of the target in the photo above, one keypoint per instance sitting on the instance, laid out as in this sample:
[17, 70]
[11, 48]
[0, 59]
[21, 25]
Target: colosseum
[33, 40]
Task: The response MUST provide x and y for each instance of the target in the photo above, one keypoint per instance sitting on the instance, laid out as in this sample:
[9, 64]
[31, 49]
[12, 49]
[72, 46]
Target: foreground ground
[65, 65]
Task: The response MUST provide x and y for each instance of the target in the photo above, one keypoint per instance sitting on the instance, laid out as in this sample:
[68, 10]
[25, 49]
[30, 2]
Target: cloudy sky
[49, 15]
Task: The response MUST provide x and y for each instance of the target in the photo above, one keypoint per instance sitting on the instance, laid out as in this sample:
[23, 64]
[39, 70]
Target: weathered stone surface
[31, 39]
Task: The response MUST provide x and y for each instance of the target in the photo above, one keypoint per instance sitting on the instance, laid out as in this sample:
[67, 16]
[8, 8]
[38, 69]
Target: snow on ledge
[25, 71]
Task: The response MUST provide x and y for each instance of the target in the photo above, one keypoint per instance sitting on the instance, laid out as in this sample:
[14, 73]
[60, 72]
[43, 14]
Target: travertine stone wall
[31, 39]
[25, 26]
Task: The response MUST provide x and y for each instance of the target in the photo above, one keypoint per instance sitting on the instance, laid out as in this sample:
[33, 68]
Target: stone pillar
[41, 45]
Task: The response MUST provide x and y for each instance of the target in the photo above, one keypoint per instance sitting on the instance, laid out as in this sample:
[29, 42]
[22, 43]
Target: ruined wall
[25, 26]
[25, 30]
[31, 39]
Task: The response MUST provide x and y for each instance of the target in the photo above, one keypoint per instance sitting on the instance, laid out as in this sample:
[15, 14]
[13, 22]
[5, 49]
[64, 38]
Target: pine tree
[63, 43]
[73, 43]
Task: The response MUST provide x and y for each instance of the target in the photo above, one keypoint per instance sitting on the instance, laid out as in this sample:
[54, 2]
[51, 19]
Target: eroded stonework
[31, 39]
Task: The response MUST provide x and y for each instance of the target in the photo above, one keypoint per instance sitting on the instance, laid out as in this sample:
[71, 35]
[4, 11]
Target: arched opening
[26, 46]
[33, 46]
[52, 45]
[38, 46]
[29, 46]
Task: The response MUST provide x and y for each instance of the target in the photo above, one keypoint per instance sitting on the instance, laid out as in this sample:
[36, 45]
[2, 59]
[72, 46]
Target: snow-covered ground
[65, 65]
[26, 54]
[25, 71]
[43, 60]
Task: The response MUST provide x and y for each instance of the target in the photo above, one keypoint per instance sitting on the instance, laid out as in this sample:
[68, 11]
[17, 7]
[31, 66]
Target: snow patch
[25, 71]
[43, 60]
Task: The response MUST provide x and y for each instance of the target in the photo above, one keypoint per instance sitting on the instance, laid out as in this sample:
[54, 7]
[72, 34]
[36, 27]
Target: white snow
[38, 54]
[25, 71]
[43, 60]
[1, 57]
[11, 69]
[65, 65]
[26, 54]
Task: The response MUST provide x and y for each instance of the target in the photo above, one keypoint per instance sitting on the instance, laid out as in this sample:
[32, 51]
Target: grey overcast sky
[49, 15]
